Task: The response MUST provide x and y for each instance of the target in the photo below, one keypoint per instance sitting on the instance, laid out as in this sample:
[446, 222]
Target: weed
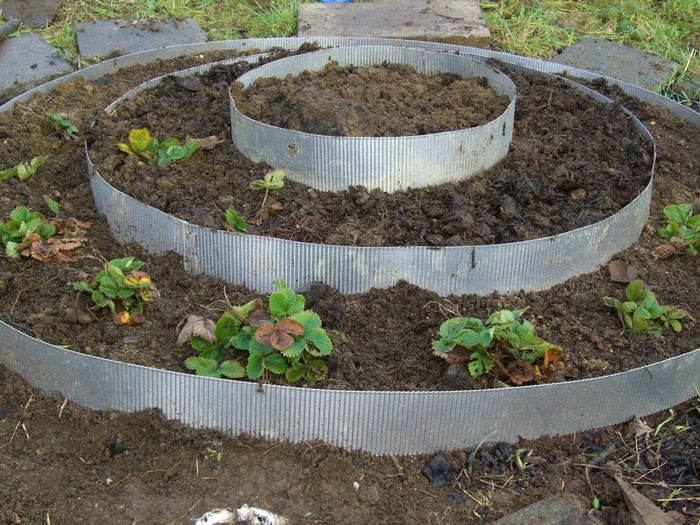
[147, 148]
[641, 313]
[62, 125]
[23, 170]
[121, 284]
[289, 340]
[501, 341]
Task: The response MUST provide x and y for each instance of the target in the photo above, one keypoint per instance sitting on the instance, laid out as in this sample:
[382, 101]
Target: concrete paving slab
[450, 21]
[32, 13]
[28, 60]
[103, 38]
[561, 509]
[689, 88]
[617, 61]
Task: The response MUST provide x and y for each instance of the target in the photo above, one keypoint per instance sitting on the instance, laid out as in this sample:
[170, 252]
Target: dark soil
[87, 467]
[391, 100]
[572, 163]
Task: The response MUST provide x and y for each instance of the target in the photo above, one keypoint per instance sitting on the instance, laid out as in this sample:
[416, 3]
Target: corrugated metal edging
[255, 261]
[421, 421]
[332, 163]
[382, 423]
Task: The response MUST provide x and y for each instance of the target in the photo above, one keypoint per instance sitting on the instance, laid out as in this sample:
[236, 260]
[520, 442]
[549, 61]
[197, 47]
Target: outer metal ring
[378, 422]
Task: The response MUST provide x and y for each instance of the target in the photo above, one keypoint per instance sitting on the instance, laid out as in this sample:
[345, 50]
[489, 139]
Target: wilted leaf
[208, 142]
[193, 325]
[121, 318]
[520, 372]
[638, 428]
[621, 272]
[279, 337]
[675, 246]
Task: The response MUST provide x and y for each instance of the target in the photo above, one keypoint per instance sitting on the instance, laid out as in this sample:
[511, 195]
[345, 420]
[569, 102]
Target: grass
[538, 28]
[535, 28]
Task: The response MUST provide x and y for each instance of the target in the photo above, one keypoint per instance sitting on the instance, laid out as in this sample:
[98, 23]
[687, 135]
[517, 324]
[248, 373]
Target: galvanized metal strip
[333, 163]
[383, 423]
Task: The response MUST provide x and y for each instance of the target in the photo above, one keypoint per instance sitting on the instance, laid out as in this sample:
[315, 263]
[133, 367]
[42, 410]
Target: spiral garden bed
[345, 411]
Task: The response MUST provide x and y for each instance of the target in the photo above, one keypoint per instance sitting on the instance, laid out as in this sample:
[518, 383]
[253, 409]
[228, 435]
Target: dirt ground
[71, 465]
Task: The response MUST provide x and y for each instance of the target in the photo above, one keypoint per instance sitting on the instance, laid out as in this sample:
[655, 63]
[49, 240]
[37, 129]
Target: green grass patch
[538, 28]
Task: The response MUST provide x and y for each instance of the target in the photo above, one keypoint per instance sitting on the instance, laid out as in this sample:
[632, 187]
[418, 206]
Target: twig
[191, 508]
[63, 405]
[19, 422]
[12, 310]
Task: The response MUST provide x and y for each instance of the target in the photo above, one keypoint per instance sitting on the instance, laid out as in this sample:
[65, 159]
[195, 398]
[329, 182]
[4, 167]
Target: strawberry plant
[23, 170]
[288, 340]
[22, 229]
[502, 341]
[641, 313]
[148, 149]
[62, 125]
[682, 229]
[30, 234]
[122, 288]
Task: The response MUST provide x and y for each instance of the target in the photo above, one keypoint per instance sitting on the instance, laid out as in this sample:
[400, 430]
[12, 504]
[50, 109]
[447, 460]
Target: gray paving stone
[28, 60]
[617, 61]
[451, 21]
[689, 88]
[33, 13]
[103, 38]
[561, 509]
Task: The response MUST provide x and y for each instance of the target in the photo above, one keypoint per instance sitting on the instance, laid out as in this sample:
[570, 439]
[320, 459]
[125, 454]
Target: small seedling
[273, 180]
[62, 125]
[641, 313]
[236, 221]
[214, 455]
[682, 229]
[596, 503]
[121, 285]
[23, 170]
[148, 149]
[289, 340]
[501, 341]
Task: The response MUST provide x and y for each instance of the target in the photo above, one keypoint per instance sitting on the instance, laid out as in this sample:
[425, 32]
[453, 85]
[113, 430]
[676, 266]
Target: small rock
[438, 471]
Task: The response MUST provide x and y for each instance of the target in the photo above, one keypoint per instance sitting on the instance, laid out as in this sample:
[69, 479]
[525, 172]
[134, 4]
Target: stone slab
[26, 61]
[451, 21]
[560, 509]
[617, 61]
[109, 38]
[32, 13]
[689, 88]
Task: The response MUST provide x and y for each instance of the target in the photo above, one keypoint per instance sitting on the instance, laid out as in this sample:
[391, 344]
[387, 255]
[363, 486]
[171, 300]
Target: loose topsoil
[390, 100]
[136, 466]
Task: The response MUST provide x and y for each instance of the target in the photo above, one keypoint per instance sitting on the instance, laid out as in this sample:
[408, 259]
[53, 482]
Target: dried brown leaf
[193, 325]
[621, 272]
[209, 142]
[675, 246]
